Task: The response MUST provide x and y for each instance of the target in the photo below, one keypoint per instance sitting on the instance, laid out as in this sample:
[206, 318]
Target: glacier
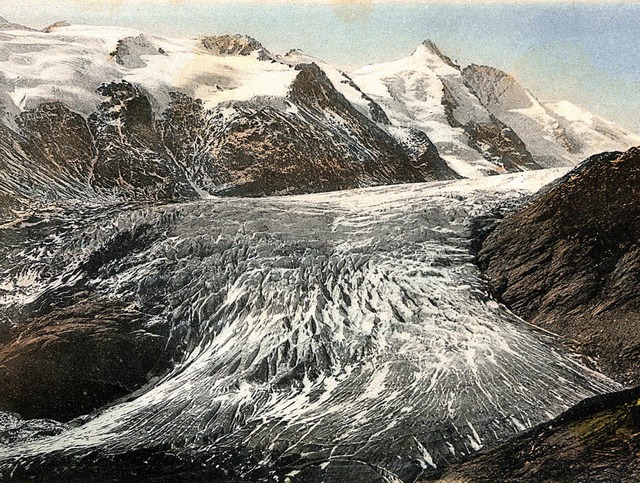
[319, 337]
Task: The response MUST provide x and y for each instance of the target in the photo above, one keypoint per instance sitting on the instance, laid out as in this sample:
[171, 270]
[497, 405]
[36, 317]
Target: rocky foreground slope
[597, 440]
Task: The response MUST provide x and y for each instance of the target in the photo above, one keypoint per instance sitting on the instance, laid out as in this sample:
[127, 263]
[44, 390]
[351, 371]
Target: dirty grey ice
[315, 333]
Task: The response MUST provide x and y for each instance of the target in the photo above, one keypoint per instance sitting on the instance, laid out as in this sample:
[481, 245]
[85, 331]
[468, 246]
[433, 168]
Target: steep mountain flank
[495, 140]
[75, 359]
[570, 261]
[320, 142]
[132, 160]
[556, 134]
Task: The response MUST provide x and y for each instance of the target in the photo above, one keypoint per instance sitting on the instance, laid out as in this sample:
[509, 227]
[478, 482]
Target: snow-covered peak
[428, 55]
[3, 20]
[426, 91]
[69, 63]
[428, 49]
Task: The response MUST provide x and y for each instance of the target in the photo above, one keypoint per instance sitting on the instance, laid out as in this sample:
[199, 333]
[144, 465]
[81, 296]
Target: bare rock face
[314, 141]
[323, 144]
[570, 261]
[496, 88]
[132, 160]
[74, 360]
[54, 133]
[235, 45]
[130, 49]
[597, 440]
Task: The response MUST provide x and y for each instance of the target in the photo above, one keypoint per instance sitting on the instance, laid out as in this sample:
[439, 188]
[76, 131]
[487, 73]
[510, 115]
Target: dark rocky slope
[597, 440]
[74, 360]
[570, 261]
[69, 350]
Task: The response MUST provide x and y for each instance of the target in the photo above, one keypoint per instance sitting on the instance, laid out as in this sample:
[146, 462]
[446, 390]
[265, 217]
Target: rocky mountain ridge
[556, 133]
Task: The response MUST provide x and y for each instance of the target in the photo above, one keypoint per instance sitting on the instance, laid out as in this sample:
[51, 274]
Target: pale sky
[586, 52]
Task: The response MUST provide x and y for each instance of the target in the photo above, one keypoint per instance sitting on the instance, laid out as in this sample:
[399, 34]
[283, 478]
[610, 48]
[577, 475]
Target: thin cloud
[340, 3]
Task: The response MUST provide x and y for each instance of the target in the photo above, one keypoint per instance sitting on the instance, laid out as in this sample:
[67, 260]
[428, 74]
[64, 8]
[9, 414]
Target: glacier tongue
[323, 334]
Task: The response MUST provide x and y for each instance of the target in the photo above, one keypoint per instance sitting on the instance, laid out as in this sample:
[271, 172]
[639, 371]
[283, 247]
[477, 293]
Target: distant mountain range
[104, 112]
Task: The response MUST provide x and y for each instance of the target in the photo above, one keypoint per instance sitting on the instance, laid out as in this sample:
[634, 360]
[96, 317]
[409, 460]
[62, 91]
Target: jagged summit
[430, 47]
[237, 44]
[3, 20]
